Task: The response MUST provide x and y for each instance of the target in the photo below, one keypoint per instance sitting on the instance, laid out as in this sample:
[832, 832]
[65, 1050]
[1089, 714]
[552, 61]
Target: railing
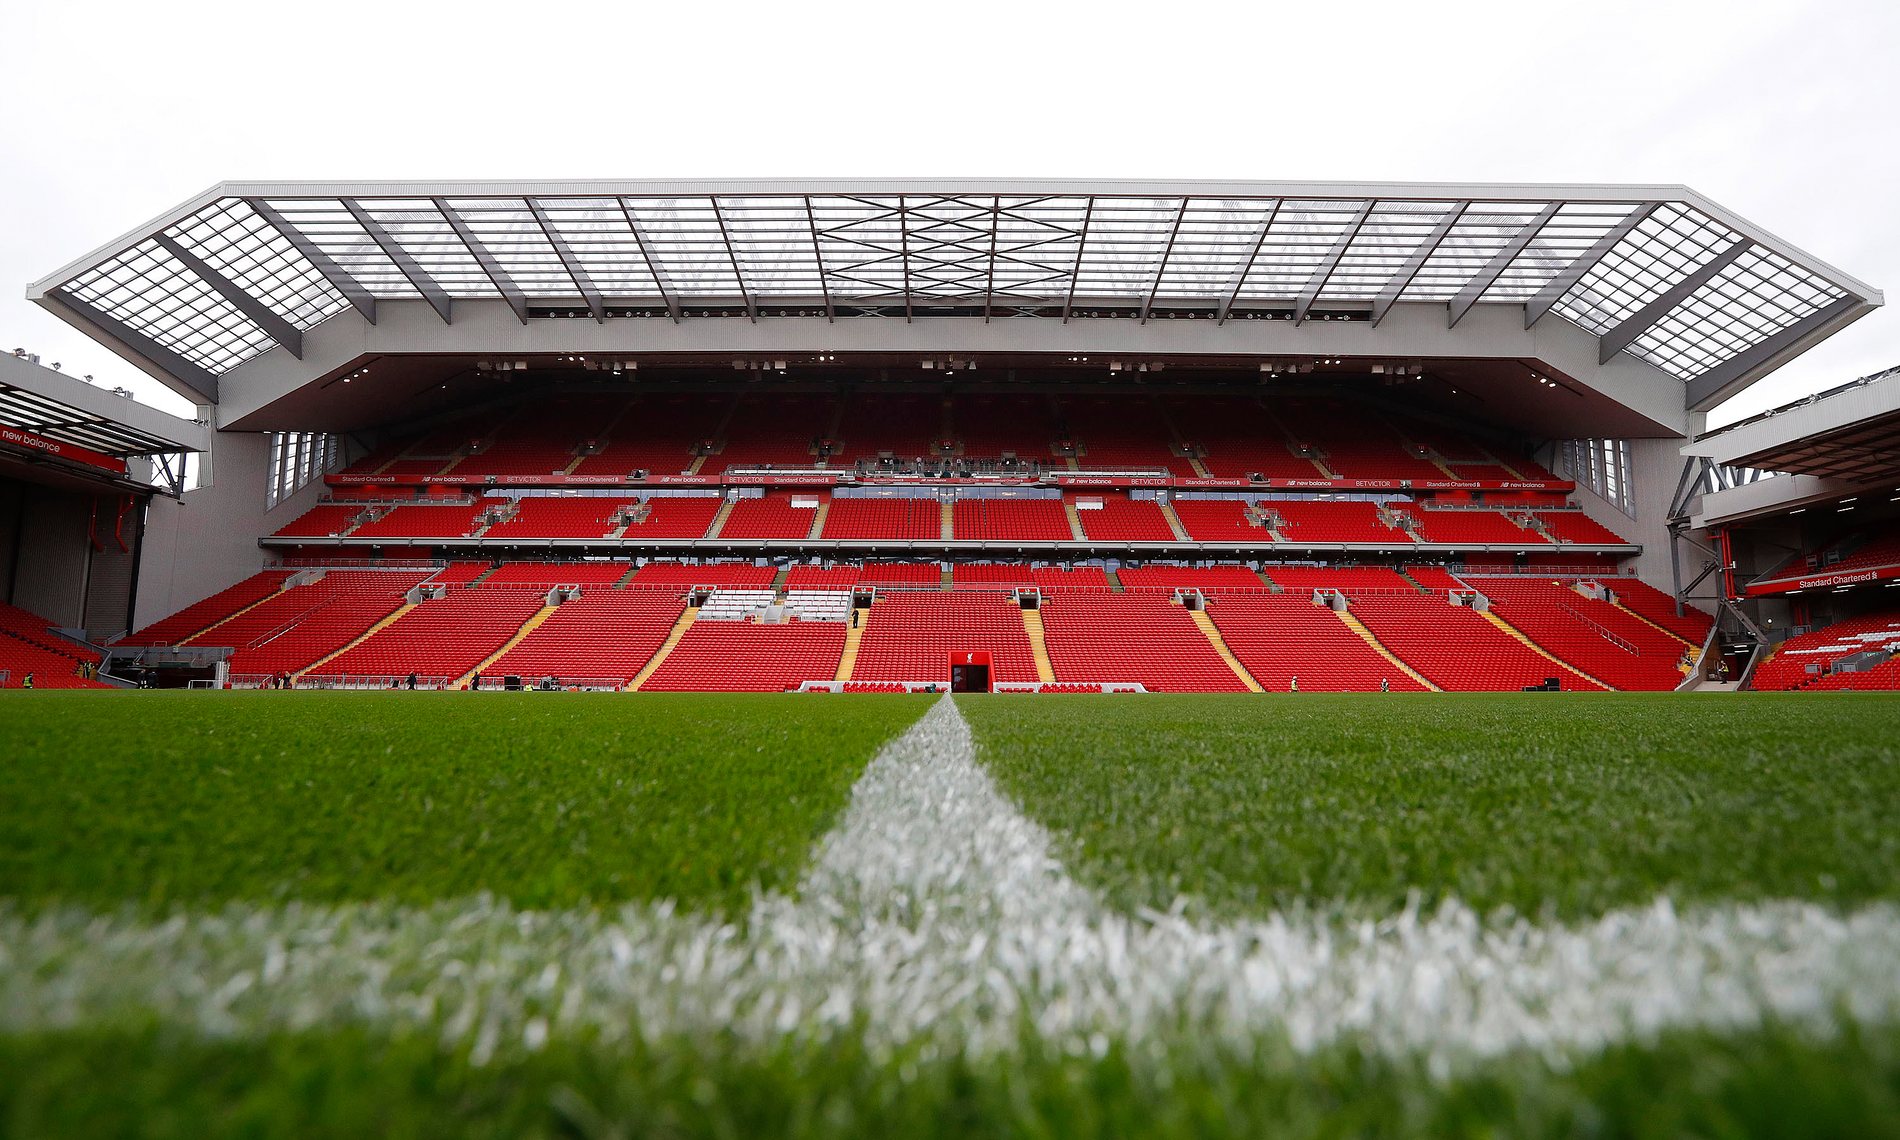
[370, 681]
[494, 683]
[1599, 629]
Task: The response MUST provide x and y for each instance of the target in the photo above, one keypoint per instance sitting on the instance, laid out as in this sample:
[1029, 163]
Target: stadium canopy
[1658, 272]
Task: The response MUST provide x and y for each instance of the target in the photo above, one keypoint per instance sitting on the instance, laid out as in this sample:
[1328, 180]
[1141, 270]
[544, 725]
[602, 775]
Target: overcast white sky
[111, 113]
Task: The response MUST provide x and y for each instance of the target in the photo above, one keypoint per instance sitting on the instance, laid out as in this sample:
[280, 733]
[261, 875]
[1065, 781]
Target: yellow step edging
[853, 636]
[946, 521]
[818, 517]
[1372, 639]
[1174, 521]
[233, 615]
[1214, 638]
[719, 520]
[1075, 521]
[360, 638]
[686, 619]
[1656, 627]
[1038, 646]
[1507, 627]
[527, 627]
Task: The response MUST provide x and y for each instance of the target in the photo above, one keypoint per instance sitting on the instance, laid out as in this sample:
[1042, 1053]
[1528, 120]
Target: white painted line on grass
[936, 911]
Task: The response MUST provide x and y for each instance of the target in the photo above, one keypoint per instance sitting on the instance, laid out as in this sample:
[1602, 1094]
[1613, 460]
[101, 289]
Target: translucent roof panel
[1706, 286]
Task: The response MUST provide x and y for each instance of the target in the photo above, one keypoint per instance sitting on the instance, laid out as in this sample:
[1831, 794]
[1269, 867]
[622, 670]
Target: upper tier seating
[655, 433]
[1856, 552]
[1282, 636]
[909, 636]
[737, 656]
[1240, 438]
[1640, 597]
[676, 516]
[1220, 520]
[1142, 638]
[1207, 579]
[603, 635]
[822, 577]
[564, 517]
[1121, 519]
[296, 626]
[771, 515]
[324, 520]
[1328, 521]
[1455, 647]
[1607, 643]
[1575, 526]
[1091, 578]
[684, 574]
[774, 430]
[991, 575]
[1356, 445]
[28, 645]
[545, 575]
[1788, 667]
[209, 611]
[1001, 520]
[903, 425]
[1482, 527]
[989, 425]
[430, 520]
[441, 638]
[884, 517]
[1435, 578]
[1121, 432]
[1355, 579]
[916, 575]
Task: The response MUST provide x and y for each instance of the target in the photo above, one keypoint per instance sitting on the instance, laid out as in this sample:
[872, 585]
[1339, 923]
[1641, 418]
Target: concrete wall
[48, 564]
[207, 541]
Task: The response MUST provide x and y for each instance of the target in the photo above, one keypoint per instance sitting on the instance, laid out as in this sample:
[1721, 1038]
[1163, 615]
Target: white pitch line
[935, 911]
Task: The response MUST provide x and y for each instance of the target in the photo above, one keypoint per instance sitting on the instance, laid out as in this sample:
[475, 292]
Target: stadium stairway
[1174, 520]
[1658, 628]
[1379, 647]
[719, 520]
[1114, 579]
[527, 627]
[818, 517]
[1206, 626]
[853, 637]
[1075, 520]
[359, 639]
[685, 622]
[946, 524]
[234, 614]
[1038, 646]
[1519, 634]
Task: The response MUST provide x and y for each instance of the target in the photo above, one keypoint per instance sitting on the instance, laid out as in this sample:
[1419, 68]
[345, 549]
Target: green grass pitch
[132, 811]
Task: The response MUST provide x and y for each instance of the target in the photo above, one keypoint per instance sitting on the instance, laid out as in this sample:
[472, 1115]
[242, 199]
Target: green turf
[1765, 1083]
[1572, 803]
[163, 799]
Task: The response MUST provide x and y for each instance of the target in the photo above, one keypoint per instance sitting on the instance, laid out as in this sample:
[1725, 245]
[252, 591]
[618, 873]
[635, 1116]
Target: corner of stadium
[971, 435]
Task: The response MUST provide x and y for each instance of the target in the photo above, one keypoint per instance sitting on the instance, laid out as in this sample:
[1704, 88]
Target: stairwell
[686, 619]
[818, 517]
[719, 520]
[1114, 581]
[853, 637]
[944, 579]
[1038, 646]
[1416, 584]
[778, 581]
[1208, 630]
[1379, 647]
[620, 584]
[1520, 635]
[1174, 520]
[527, 627]
[946, 520]
[359, 639]
[1075, 520]
[1271, 584]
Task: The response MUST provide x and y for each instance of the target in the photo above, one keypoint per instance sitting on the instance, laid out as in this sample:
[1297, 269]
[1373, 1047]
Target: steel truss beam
[732, 255]
[1475, 289]
[196, 379]
[426, 285]
[1560, 285]
[818, 256]
[360, 299]
[669, 296]
[497, 275]
[1714, 386]
[240, 298]
[1075, 272]
[1324, 271]
[1617, 339]
[1382, 304]
[1239, 280]
[575, 270]
[1161, 270]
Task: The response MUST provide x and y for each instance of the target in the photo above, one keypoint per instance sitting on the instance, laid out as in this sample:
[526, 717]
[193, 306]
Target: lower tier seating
[1279, 637]
[1143, 638]
[1611, 645]
[209, 611]
[28, 646]
[1639, 597]
[1455, 647]
[297, 626]
[731, 656]
[909, 636]
[441, 639]
[1806, 660]
[603, 635]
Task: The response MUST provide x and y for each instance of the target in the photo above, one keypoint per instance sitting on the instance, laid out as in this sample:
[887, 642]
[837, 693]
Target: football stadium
[949, 657]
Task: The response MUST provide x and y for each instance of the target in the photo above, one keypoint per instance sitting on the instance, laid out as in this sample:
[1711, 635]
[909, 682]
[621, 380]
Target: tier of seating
[585, 517]
[1122, 519]
[1323, 520]
[298, 625]
[28, 646]
[884, 517]
[1487, 528]
[991, 575]
[1208, 579]
[1454, 647]
[325, 520]
[676, 516]
[1281, 637]
[1599, 639]
[425, 520]
[1358, 579]
[545, 575]
[1029, 520]
[1639, 597]
[909, 636]
[602, 635]
[1220, 520]
[906, 575]
[771, 515]
[202, 613]
[1844, 556]
[1577, 527]
[1239, 437]
[1144, 638]
[1435, 578]
[749, 656]
[440, 639]
[1801, 662]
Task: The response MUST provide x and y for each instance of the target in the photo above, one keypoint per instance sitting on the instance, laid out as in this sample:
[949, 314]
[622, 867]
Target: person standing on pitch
[1293, 685]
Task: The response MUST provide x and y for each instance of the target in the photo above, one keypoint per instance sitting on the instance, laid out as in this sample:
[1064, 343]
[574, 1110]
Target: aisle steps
[686, 619]
[1379, 647]
[1206, 625]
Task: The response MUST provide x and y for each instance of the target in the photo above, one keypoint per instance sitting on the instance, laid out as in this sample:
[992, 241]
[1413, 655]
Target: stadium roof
[68, 410]
[1657, 271]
